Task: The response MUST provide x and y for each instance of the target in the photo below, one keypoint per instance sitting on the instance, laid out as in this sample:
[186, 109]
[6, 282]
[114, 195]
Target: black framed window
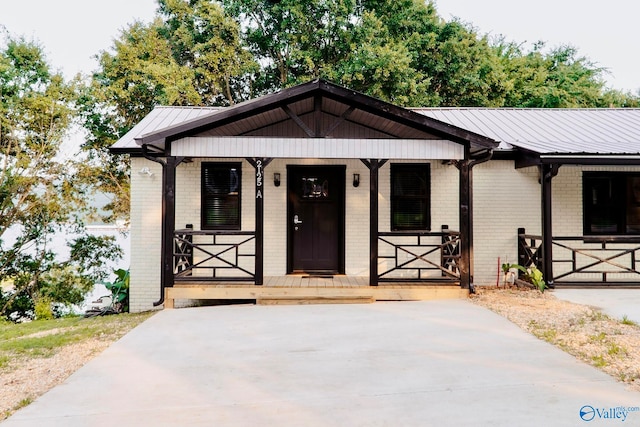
[611, 203]
[410, 197]
[221, 196]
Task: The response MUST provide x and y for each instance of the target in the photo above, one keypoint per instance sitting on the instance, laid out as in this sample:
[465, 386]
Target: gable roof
[315, 109]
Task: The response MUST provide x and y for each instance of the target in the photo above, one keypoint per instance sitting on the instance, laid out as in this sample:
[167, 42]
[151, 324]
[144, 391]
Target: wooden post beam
[374, 166]
[259, 164]
[547, 173]
[465, 218]
[466, 215]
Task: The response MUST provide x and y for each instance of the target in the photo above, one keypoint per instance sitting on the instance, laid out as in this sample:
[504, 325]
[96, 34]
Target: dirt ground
[34, 377]
[585, 332]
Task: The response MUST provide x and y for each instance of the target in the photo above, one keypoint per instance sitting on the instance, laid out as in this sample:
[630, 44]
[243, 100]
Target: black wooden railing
[586, 260]
[419, 256]
[214, 255]
[529, 249]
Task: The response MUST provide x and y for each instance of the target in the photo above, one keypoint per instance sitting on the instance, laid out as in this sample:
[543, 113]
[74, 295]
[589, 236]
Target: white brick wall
[146, 215]
[504, 199]
[566, 205]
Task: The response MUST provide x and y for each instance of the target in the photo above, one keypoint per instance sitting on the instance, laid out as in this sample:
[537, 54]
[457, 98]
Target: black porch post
[547, 172]
[373, 223]
[259, 165]
[466, 214]
[374, 166]
[168, 219]
[466, 243]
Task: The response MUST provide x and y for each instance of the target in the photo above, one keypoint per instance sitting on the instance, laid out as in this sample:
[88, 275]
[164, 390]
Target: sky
[73, 31]
[606, 32]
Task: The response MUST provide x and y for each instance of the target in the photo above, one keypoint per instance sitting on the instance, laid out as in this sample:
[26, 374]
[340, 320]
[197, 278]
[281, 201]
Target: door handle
[296, 221]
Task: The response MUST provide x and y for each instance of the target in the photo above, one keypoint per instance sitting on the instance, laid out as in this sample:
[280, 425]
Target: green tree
[381, 66]
[139, 74]
[191, 54]
[340, 40]
[400, 51]
[38, 195]
[295, 40]
[206, 41]
[461, 67]
[555, 78]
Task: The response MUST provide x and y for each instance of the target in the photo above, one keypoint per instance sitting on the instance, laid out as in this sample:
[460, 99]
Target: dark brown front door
[316, 218]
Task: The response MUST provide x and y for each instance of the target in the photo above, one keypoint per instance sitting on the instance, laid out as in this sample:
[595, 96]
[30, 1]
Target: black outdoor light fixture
[356, 179]
[276, 179]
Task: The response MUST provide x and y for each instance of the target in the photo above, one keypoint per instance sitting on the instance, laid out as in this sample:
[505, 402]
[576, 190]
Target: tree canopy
[38, 192]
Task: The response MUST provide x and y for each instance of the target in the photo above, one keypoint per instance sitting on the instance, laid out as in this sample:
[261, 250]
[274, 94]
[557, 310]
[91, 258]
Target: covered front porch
[372, 182]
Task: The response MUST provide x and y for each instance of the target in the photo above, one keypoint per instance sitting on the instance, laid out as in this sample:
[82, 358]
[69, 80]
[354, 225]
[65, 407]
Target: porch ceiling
[317, 110]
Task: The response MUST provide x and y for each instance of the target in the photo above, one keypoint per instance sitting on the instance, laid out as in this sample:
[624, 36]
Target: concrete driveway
[617, 303]
[430, 363]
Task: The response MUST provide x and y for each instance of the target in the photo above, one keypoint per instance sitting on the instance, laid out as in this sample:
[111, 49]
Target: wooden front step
[314, 295]
[299, 300]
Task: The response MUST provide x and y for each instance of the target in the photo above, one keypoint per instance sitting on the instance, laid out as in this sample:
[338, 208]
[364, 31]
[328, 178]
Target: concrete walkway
[617, 303]
[429, 363]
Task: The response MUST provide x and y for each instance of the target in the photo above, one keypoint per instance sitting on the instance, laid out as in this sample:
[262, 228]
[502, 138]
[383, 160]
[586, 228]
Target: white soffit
[320, 148]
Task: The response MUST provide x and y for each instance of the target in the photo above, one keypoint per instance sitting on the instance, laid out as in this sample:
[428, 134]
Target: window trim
[204, 195]
[393, 167]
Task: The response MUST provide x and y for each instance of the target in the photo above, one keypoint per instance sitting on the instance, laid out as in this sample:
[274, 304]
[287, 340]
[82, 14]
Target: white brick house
[321, 191]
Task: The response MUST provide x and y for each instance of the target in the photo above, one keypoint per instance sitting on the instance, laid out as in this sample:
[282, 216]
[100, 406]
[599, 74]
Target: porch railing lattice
[214, 255]
[419, 256]
[586, 260]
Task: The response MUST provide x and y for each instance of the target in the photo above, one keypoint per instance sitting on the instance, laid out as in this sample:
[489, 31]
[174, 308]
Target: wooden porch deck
[308, 289]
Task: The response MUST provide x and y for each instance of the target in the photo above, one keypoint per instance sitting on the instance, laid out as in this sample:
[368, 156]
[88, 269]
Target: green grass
[626, 321]
[547, 334]
[24, 402]
[4, 361]
[616, 350]
[601, 337]
[21, 343]
[9, 330]
[598, 361]
[43, 338]
[598, 316]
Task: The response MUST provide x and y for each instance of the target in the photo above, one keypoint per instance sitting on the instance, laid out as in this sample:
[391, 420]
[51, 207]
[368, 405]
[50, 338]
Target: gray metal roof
[160, 117]
[551, 131]
[602, 131]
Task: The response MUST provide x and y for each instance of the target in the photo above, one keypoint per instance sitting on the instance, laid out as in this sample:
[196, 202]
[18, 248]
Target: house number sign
[258, 179]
